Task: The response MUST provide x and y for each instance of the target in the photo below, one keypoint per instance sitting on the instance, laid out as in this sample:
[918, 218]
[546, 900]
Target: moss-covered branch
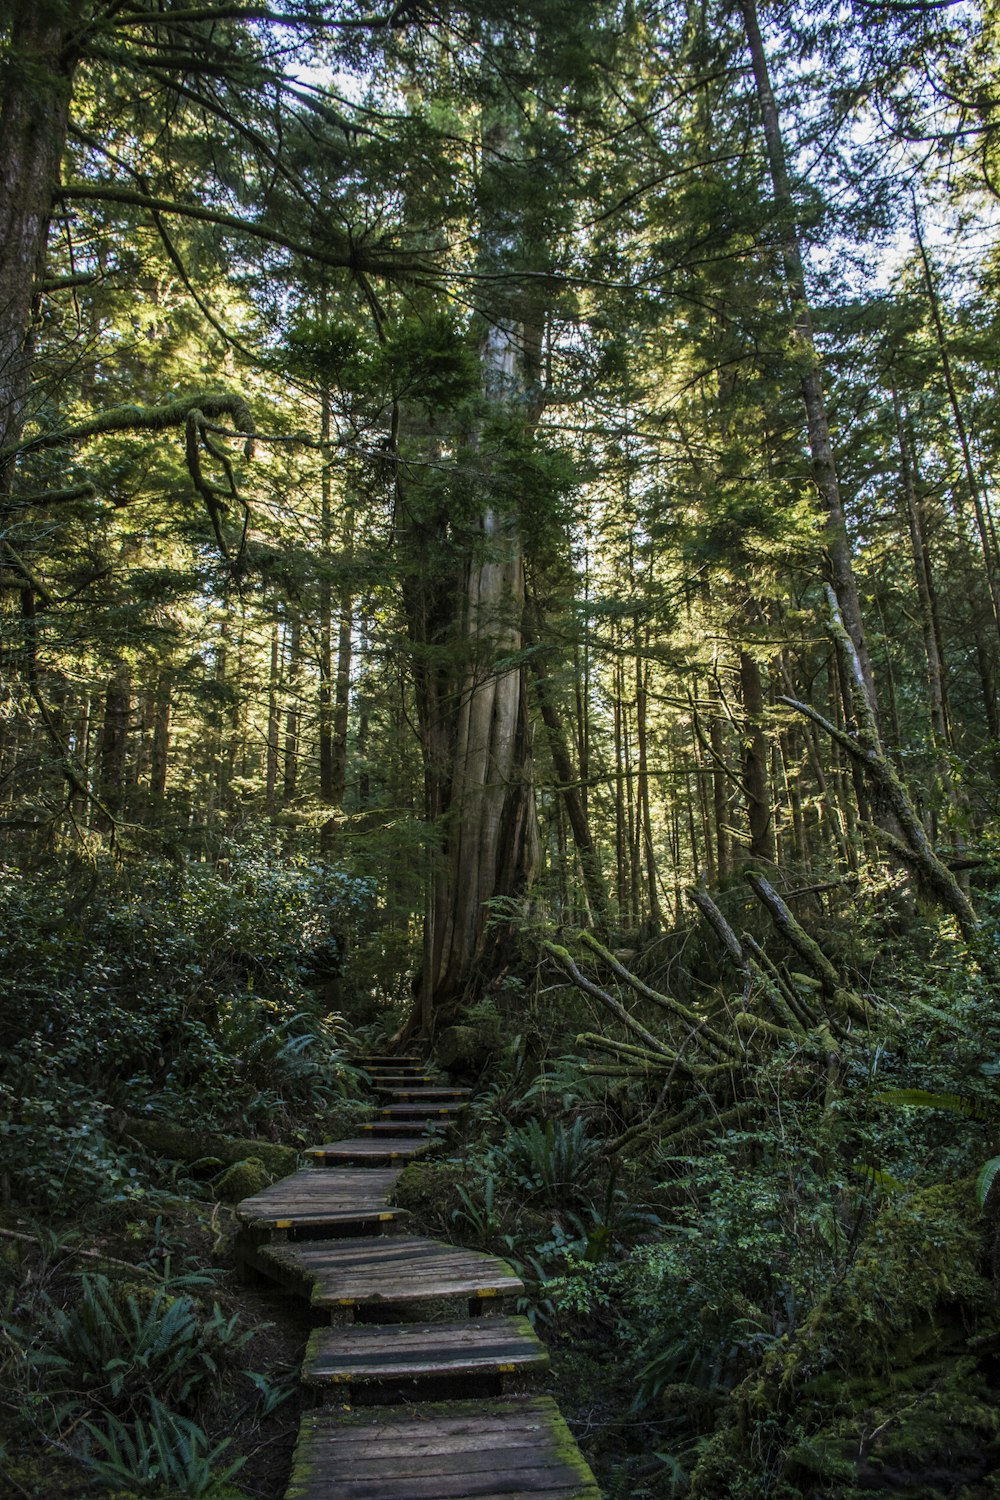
[139, 419]
[564, 959]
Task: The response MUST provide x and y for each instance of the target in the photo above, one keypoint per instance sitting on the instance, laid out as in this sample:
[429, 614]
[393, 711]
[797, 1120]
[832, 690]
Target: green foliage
[125, 1346]
[552, 1161]
[426, 360]
[987, 1176]
[164, 1454]
[959, 1104]
[120, 1374]
[164, 990]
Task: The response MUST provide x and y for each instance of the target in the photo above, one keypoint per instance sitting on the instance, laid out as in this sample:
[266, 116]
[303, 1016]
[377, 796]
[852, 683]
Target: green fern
[168, 1451]
[958, 1104]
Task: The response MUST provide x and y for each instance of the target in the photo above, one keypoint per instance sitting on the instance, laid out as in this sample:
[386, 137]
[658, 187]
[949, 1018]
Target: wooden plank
[386, 1060]
[397, 1351]
[409, 1128]
[463, 1451]
[422, 1111]
[370, 1151]
[382, 1081]
[424, 1093]
[317, 1195]
[347, 1273]
[435, 1434]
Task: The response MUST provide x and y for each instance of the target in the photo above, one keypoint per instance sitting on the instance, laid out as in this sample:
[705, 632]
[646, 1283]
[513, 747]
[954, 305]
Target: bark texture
[34, 109]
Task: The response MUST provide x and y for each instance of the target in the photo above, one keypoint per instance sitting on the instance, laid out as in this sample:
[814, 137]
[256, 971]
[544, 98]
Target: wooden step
[392, 1352]
[435, 1093]
[317, 1196]
[395, 1270]
[517, 1449]
[428, 1111]
[410, 1128]
[373, 1150]
[402, 1080]
[386, 1060]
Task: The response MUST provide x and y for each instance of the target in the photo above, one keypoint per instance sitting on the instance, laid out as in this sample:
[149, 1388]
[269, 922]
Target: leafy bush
[164, 989]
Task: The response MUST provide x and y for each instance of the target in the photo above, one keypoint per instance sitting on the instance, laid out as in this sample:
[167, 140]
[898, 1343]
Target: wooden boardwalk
[418, 1338]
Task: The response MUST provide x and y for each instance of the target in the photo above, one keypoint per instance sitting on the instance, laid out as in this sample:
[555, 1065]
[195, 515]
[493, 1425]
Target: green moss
[919, 1261]
[179, 1143]
[429, 1191]
[941, 1432]
[876, 1392]
[242, 1180]
[53, 1478]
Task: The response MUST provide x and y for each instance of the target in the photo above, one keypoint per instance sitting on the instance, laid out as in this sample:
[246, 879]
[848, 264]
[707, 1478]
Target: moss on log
[181, 1143]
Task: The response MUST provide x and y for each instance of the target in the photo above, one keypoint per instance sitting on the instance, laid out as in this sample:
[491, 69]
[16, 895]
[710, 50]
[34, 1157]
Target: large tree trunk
[34, 109]
[491, 837]
[474, 720]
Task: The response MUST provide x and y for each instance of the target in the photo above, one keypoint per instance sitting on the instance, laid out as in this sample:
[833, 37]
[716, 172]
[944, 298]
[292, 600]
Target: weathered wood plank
[386, 1060]
[423, 1093]
[373, 1150]
[397, 1351]
[403, 1080]
[463, 1451]
[421, 1111]
[317, 1195]
[346, 1273]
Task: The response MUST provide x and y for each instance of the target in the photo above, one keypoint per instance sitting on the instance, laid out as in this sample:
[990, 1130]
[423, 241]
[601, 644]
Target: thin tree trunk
[986, 541]
[817, 423]
[570, 791]
[290, 771]
[756, 779]
[160, 750]
[114, 741]
[342, 695]
[643, 812]
[273, 720]
[325, 726]
[720, 783]
[702, 773]
[923, 578]
[622, 881]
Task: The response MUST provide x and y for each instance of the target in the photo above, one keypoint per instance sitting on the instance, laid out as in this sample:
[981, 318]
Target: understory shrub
[164, 990]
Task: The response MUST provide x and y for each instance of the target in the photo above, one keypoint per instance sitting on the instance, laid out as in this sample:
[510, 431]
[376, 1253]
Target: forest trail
[421, 1369]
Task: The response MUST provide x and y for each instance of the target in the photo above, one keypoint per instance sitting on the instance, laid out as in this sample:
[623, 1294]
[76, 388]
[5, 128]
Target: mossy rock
[242, 1180]
[920, 1261]
[429, 1191]
[181, 1143]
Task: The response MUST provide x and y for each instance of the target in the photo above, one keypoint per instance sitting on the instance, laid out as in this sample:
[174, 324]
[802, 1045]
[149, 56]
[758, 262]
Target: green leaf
[984, 1181]
[957, 1104]
[884, 1180]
